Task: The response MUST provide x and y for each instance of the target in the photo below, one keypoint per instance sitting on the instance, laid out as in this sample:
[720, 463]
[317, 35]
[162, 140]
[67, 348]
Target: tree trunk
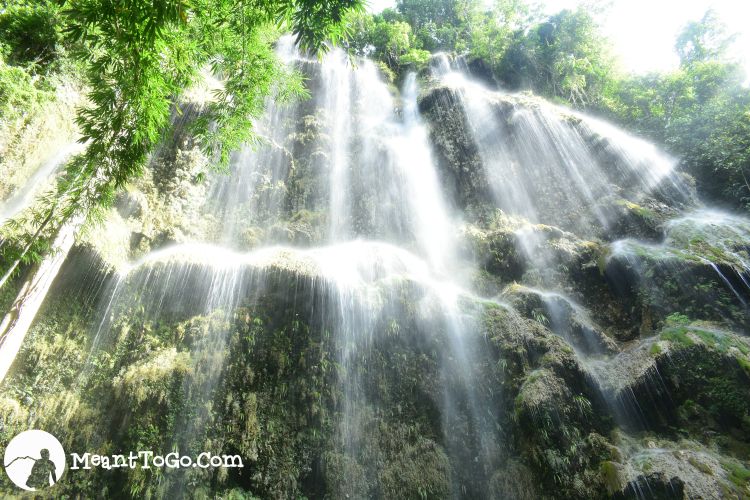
[17, 321]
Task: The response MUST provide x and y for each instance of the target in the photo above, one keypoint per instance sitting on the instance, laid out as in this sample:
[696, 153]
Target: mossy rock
[691, 377]
[655, 280]
[561, 316]
[558, 420]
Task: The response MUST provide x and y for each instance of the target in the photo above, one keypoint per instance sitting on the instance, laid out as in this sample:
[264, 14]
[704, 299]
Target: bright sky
[643, 31]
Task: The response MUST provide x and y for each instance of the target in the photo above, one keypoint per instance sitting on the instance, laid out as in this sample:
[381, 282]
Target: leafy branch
[138, 58]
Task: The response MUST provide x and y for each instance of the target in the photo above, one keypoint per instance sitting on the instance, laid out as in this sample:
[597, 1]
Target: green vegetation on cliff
[135, 60]
[699, 112]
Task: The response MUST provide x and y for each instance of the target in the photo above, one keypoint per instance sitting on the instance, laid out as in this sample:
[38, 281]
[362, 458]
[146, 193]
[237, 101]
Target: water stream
[342, 215]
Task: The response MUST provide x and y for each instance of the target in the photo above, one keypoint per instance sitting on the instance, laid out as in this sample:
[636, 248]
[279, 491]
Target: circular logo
[34, 460]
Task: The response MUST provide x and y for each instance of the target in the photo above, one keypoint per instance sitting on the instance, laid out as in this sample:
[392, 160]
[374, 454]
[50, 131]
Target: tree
[386, 37]
[31, 32]
[564, 56]
[700, 112]
[704, 40]
[138, 57]
[489, 31]
[419, 13]
[470, 27]
[435, 22]
[381, 39]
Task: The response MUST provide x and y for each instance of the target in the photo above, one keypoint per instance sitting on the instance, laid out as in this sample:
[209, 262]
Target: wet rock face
[655, 284]
[685, 390]
[549, 165]
[691, 377]
[585, 365]
[457, 154]
[562, 316]
[699, 269]
[262, 380]
[482, 72]
[36, 136]
[558, 422]
[275, 395]
[662, 293]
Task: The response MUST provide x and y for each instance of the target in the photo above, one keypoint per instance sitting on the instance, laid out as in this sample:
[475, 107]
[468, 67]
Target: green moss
[700, 466]
[346, 478]
[677, 319]
[705, 383]
[610, 475]
[645, 464]
[745, 364]
[151, 378]
[553, 416]
[738, 474]
[419, 471]
[655, 349]
[687, 334]
[638, 210]
[678, 336]
[602, 258]
[388, 75]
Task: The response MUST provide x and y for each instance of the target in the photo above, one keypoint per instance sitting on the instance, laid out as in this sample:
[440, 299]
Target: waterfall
[16, 322]
[437, 290]
[336, 101]
[432, 222]
[555, 166]
[24, 197]
[387, 231]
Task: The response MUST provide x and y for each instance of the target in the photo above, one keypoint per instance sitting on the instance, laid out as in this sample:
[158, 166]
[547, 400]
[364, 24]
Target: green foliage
[677, 336]
[707, 377]
[417, 58]
[29, 52]
[31, 32]
[703, 40]
[138, 57]
[564, 56]
[700, 112]
[655, 350]
[405, 37]
[677, 319]
[738, 474]
[383, 40]
[420, 13]
[489, 32]
[18, 94]
[611, 477]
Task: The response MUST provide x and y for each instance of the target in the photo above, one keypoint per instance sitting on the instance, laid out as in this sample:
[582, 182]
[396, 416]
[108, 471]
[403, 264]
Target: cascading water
[24, 197]
[389, 231]
[423, 295]
[554, 166]
[33, 289]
